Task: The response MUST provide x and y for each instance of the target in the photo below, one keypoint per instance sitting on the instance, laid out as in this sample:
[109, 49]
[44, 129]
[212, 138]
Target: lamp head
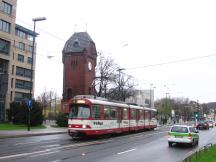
[39, 19]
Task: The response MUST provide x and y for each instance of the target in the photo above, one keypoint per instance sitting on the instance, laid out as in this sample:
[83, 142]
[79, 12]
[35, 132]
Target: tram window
[125, 113]
[137, 115]
[79, 111]
[147, 115]
[96, 112]
[106, 112]
[141, 114]
[113, 113]
[154, 114]
[133, 114]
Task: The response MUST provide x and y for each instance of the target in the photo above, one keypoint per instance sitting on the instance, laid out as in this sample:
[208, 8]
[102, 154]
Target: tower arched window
[76, 43]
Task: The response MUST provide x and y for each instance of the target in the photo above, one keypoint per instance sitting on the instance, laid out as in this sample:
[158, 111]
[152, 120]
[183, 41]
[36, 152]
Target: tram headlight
[84, 126]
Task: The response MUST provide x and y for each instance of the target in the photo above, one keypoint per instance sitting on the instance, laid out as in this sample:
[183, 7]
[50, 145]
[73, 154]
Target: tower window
[76, 43]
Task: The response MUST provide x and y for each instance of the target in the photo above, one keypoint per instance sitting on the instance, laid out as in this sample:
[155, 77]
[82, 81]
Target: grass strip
[208, 155]
[7, 126]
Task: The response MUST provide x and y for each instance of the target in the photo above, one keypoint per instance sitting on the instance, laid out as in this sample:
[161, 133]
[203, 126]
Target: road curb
[30, 135]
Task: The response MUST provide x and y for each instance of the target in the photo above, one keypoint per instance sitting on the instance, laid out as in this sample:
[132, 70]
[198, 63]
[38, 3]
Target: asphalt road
[149, 146]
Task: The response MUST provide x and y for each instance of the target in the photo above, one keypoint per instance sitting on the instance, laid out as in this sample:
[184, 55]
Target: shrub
[18, 113]
[62, 120]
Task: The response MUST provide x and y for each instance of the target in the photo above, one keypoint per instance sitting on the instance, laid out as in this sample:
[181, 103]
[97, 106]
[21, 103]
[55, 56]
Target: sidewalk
[33, 132]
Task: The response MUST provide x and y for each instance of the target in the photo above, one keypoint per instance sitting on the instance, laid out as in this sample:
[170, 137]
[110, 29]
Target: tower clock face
[89, 65]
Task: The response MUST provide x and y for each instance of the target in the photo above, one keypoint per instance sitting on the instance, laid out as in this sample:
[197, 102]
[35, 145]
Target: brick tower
[79, 57]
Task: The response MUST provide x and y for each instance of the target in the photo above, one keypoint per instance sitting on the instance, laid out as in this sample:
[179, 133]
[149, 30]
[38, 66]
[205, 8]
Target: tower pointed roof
[77, 43]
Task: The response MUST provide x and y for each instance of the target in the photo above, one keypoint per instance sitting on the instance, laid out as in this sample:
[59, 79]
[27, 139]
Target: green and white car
[183, 134]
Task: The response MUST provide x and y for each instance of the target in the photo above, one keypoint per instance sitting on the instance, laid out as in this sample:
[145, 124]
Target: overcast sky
[155, 31]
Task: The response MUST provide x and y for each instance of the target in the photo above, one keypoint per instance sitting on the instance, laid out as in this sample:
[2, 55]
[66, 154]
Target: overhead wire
[129, 68]
[172, 62]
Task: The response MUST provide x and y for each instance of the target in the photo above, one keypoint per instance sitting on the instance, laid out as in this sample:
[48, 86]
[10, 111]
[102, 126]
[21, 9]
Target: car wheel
[170, 144]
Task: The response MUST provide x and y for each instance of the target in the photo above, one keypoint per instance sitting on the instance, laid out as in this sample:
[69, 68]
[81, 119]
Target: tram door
[119, 120]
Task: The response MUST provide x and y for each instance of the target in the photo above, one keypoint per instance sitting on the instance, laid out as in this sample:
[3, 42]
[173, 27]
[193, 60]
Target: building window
[4, 26]
[11, 96]
[30, 48]
[30, 37]
[3, 66]
[20, 58]
[23, 72]
[20, 34]
[21, 84]
[21, 96]
[7, 8]
[12, 82]
[12, 69]
[4, 46]
[29, 60]
[21, 46]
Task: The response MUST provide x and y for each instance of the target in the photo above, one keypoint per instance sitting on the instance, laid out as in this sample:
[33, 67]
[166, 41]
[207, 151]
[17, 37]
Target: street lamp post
[119, 70]
[32, 62]
[150, 95]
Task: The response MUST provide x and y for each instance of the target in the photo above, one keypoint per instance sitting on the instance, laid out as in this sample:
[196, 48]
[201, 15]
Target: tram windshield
[79, 111]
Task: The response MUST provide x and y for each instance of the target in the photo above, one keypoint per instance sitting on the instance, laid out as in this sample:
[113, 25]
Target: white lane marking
[23, 154]
[51, 145]
[53, 149]
[126, 151]
[45, 154]
[148, 134]
[56, 161]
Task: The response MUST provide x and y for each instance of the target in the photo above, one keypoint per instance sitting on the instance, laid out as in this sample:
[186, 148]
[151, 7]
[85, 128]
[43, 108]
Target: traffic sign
[29, 104]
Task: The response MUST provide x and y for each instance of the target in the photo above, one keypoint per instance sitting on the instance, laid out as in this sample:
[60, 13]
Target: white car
[183, 134]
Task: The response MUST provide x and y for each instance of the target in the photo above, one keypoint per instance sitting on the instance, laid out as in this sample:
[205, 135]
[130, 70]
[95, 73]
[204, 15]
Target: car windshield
[79, 111]
[179, 129]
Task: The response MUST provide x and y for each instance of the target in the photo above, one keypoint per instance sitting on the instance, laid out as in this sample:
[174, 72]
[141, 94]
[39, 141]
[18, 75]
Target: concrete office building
[15, 58]
[142, 97]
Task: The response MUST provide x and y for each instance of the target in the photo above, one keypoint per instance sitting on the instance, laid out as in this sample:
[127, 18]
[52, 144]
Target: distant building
[15, 58]
[142, 97]
[79, 57]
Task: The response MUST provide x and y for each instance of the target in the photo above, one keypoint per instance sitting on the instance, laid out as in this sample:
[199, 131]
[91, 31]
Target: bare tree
[46, 99]
[105, 71]
[124, 88]
[109, 83]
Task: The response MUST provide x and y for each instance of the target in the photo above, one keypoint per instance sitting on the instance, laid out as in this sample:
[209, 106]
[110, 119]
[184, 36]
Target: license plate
[178, 136]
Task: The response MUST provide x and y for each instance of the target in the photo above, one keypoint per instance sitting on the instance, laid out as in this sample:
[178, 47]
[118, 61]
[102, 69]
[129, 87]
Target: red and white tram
[91, 117]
